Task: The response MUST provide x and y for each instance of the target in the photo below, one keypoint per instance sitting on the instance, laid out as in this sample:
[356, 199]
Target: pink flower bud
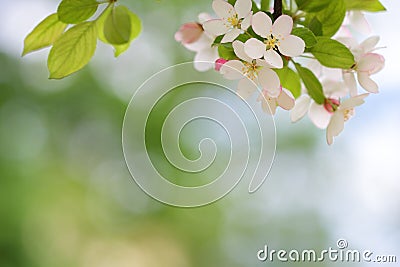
[189, 33]
[331, 104]
[219, 62]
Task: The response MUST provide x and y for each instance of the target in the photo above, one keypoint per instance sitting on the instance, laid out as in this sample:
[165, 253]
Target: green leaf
[305, 34]
[117, 26]
[315, 26]
[365, 5]
[136, 27]
[290, 80]
[332, 17]
[75, 11]
[73, 50]
[313, 5]
[44, 34]
[332, 54]
[265, 4]
[226, 52]
[311, 82]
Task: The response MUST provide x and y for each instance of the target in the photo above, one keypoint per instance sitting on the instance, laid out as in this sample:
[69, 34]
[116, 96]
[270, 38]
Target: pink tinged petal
[273, 58]
[300, 109]
[232, 70]
[353, 102]
[238, 48]
[222, 8]
[189, 33]
[319, 115]
[246, 22]
[215, 27]
[254, 48]
[269, 81]
[261, 24]
[286, 99]
[202, 43]
[335, 127]
[357, 19]
[243, 8]
[205, 59]
[369, 44]
[246, 88]
[282, 26]
[350, 82]
[231, 35]
[268, 104]
[367, 83]
[348, 41]
[291, 46]
[371, 63]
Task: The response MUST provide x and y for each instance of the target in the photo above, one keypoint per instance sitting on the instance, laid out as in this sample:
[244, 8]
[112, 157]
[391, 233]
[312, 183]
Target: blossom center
[234, 21]
[272, 42]
[250, 69]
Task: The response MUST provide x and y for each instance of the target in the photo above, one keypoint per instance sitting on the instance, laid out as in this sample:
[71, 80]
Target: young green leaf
[305, 34]
[226, 52]
[265, 5]
[75, 11]
[73, 50]
[311, 82]
[118, 26]
[312, 5]
[44, 34]
[290, 80]
[332, 17]
[332, 54]
[315, 26]
[365, 5]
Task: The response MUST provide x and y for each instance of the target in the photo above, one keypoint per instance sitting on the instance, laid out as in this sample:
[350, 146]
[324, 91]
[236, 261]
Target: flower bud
[219, 62]
[331, 104]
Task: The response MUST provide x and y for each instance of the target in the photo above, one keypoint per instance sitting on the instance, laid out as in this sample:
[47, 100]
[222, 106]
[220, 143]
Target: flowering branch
[277, 9]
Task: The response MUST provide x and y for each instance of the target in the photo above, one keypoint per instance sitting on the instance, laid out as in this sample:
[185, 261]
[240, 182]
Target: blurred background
[67, 198]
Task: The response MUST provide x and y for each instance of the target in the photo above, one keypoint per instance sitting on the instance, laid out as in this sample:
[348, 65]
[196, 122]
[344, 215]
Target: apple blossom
[250, 72]
[284, 100]
[233, 20]
[189, 33]
[367, 63]
[205, 52]
[277, 39]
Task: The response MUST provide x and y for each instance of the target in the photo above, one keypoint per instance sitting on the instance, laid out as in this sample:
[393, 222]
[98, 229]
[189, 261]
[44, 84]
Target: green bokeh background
[67, 199]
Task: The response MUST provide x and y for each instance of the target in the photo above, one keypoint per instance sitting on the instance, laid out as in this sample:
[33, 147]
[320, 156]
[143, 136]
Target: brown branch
[277, 9]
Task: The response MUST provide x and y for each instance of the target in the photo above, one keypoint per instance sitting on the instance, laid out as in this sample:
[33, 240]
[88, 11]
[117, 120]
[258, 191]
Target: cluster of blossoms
[262, 53]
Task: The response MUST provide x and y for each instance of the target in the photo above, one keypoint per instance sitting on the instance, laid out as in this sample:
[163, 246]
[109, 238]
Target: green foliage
[332, 54]
[289, 80]
[311, 82]
[44, 34]
[315, 26]
[226, 51]
[265, 5]
[332, 17]
[313, 5]
[306, 34]
[75, 11]
[73, 50]
[117, 26]
[366, 5]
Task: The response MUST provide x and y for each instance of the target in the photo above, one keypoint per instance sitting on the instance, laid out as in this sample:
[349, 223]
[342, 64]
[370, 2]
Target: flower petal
[300, 108]
[238, 48]
[359, 22]
[335, 127]
[222, 8]
[369, 44]
[291, 46]
[371, 63]
[367, 83]
[246, 88]
[230, 36]
[350, 82]
[273, 58]
[319, 115]
[203, 17]
[353, 101]
[282, 26]
[269, 81]
[215, 27]
[203, 42]
[286, 99]
[254, 48]
[261, 24]
[232, 70]
[246, 22]
[243, 8]
[205, 59]
[268, 104]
